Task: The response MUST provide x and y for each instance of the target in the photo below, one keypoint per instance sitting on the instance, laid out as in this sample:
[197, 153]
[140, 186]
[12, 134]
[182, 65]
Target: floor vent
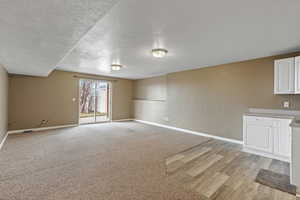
[29, 131]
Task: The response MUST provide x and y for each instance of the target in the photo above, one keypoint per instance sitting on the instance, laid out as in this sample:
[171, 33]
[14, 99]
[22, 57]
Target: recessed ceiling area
[196, 33]
[36, 35]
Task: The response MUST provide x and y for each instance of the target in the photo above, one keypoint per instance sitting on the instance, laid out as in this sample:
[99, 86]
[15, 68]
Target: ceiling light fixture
[116, 67]
[159, 53]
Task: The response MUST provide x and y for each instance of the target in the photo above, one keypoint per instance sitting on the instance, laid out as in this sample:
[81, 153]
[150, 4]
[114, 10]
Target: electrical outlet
[44, 121]
[166, 119]
[286, 104]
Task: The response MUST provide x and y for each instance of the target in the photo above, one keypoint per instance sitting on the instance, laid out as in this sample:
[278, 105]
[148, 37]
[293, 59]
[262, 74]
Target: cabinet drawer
[259, 120]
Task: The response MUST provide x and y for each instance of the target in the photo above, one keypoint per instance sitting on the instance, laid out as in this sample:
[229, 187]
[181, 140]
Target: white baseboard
[42, 129]
[122, 120]
[191, 132]
[268, 155]
[3, 141]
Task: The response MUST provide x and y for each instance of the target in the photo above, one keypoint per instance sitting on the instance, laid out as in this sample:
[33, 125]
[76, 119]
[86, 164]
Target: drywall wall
[151, 89]
[212, 100]
[150, 99]
[33, 99]
[149, 110]
[3, 102]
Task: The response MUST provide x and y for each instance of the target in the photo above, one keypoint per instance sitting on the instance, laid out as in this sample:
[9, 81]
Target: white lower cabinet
[282, 139]
[270, 137]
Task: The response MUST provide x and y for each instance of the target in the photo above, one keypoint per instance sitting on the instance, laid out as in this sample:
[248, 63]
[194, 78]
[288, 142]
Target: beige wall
[212, 100]
[150, 99]
[3, 102]
[33, 99]
[151, 89]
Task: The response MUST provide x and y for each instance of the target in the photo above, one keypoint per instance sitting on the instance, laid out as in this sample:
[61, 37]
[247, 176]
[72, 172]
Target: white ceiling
[197, 33]
[35, 35]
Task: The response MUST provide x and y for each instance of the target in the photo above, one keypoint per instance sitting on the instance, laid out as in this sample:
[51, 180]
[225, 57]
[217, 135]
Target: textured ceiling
[35, 35]
[197, 33]
[39, 36]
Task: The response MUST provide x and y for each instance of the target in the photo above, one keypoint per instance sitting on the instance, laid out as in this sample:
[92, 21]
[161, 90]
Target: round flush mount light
[116, 67]
[159, 53]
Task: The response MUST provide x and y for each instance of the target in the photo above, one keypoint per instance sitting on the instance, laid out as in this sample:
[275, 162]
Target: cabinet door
[284, 76]
[282, 138]
[259, 136]
[297, 75]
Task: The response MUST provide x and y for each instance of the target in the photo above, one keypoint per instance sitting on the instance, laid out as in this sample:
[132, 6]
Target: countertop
[271, 115]
[276, 113]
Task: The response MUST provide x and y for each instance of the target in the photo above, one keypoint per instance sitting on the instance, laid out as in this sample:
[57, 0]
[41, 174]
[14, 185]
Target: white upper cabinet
[297, 75]
[287, 76]
[284, 79]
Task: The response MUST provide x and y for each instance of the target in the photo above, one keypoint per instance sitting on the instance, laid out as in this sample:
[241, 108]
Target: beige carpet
[106, 161]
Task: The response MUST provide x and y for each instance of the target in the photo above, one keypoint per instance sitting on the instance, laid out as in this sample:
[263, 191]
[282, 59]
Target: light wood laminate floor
[218, 170]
